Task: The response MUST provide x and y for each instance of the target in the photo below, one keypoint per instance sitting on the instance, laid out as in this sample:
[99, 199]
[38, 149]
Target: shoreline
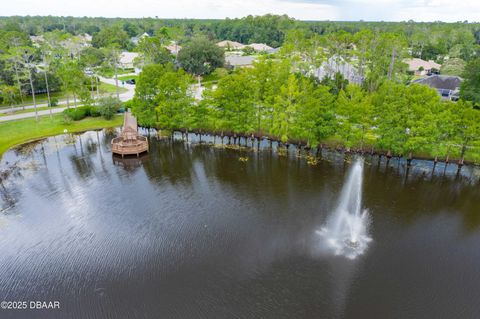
[235, 139]
[51, 127]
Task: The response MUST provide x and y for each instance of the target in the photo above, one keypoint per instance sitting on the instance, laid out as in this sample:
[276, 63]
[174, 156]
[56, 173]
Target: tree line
[271, 100]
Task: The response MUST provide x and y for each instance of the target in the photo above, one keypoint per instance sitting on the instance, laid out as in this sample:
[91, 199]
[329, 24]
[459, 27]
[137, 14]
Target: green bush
[53, 102]
[79, 113]
[108, 107]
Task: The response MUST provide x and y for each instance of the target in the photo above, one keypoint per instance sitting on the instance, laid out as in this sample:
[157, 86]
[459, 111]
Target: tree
[108, 107]
[109, 36]
[112, 60]
[201, 56]
[172, 99]
[315, 118]
[466, 124]
[153, 51]
[23, 59]
[355, 116]
[146, 90]
[73, 80]
[285, 108]
[10, 95]
[453, 66]
[233, 104]
[470, 89]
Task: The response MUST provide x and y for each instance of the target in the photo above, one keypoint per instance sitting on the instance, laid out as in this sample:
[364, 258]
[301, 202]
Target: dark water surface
[190, 231]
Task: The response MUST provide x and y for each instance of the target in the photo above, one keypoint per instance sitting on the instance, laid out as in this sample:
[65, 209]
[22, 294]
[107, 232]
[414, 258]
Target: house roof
[173, 47]
[236, 60]
[415, 64]
[231, 44]
[441, 82]
[260, 47]
[335, 65]
[128, 57]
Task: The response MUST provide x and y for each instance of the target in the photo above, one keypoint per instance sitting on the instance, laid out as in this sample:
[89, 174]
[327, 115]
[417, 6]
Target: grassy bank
[21, 131]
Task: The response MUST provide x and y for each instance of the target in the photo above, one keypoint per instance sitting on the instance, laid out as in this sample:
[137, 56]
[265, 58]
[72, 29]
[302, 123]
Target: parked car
[131, 81]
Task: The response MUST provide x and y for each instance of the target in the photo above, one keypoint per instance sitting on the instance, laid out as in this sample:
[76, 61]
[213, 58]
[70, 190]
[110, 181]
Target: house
[273, 51]
[335, 65]
[85, 38]
[260, 47]
[236, 61]
[37, 40]
[230, 45]
[447, 86]
[126, 59]
[421, 67]
[135, 40]
[173, 47]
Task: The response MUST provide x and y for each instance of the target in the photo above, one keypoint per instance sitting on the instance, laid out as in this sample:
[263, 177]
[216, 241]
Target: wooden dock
[130, 142]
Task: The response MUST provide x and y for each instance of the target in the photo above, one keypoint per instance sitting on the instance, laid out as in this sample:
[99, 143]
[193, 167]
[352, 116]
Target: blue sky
[372, 10]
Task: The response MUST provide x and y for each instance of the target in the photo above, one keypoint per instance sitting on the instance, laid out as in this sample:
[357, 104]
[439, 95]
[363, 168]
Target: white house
[126, 59]
[236, 61]
[261, 47]
[421, 67]
[335, 65]
[230, 45]
[135, 40]
[173, 47]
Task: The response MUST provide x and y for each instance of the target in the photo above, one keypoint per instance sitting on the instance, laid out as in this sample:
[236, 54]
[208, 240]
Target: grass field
[104, 89]
[128, 77]
[43, 108]
[21, 131]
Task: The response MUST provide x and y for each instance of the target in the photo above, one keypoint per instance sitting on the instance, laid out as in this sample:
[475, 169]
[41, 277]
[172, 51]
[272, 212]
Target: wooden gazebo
[129, 142]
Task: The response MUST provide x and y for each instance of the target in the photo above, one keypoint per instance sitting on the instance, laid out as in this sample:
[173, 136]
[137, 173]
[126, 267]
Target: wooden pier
[130, 142]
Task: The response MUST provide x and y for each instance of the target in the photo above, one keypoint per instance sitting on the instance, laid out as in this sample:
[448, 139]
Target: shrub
[53, 102]
[81, 112]
[108, 107]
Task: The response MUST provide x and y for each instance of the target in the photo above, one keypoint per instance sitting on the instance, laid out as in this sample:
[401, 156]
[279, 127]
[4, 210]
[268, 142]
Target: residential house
[236, 61]
[127, 59]
[37, 40]
[447, 86]
[174, 48]
[335, 65]
[135, 40]
[421, 67]
[261, 47]
[85, 38]
[231, 45]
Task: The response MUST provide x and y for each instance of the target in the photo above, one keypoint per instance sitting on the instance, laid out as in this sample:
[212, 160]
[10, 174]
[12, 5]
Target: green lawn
[110, 88]
[108, 73]
[21, 131]
[104, 89]
[40, 99]
[128, 77]
[31, 110]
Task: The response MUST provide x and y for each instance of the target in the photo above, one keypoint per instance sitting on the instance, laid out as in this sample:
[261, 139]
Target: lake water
[191, 231]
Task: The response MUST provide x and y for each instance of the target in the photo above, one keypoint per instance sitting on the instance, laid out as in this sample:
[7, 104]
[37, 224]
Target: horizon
[303, 10]
[232, 18]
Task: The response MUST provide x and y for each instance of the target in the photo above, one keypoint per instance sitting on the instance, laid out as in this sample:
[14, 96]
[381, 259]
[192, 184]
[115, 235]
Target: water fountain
[346, 230]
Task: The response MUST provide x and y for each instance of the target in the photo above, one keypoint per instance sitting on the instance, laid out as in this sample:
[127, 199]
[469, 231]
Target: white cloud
[387, 10]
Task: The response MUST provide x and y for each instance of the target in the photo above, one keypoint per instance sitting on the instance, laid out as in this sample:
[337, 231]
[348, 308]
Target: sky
[335, 10]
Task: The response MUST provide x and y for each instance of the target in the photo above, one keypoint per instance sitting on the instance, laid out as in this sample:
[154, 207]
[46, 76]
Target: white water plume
[346, 230]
